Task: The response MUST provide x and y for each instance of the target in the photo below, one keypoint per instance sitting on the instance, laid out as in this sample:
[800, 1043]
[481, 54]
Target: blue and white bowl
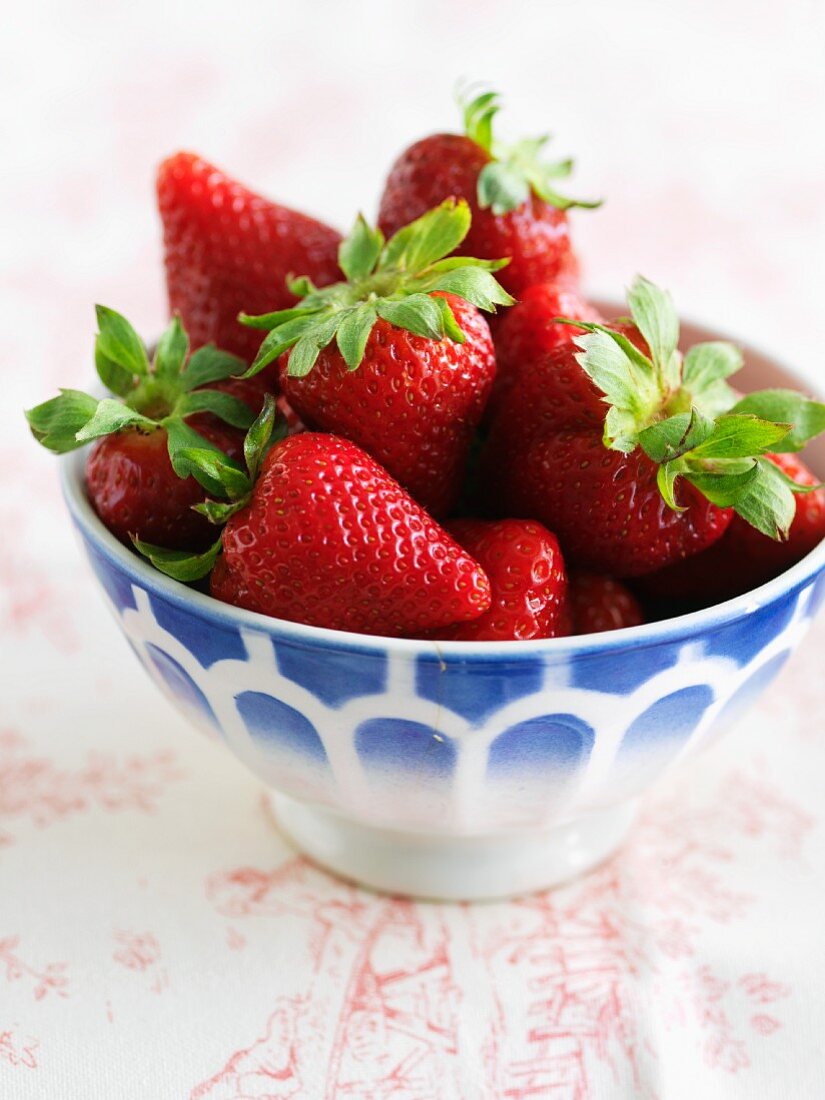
[460, 769]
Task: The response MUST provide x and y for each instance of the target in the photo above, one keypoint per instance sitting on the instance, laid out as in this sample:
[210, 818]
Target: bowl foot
[452, 868]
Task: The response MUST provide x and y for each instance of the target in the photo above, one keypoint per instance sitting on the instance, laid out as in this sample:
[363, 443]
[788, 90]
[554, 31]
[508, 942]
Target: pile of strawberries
[331, 431]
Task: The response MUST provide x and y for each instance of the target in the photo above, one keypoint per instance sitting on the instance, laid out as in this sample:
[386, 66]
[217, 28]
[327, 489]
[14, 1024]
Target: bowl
[457, 770]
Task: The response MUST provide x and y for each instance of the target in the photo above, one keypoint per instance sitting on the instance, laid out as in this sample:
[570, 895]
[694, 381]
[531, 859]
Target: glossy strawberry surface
[529, 330]
[599, 603]
[330, 539]
[135, 491]
[743, 559]
[528, 581]
[228, 249]
[535, 236]
[413, 403]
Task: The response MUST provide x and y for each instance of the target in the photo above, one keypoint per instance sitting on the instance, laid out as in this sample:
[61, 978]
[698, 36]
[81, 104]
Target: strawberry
[412, 362]
[528, 581]
[137, 474]
[531, 329]
[516, 210]
[744, 558]
[318, 533]
[635, 456]
[599, 603]
[228, 249]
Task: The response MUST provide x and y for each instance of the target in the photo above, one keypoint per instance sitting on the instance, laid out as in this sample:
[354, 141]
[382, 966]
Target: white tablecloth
[158, 937]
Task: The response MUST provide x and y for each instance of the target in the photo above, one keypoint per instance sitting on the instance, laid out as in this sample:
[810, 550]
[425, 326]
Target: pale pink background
[157, 937]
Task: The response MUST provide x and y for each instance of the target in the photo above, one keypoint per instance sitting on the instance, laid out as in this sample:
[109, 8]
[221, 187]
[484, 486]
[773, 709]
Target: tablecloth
[158, 936]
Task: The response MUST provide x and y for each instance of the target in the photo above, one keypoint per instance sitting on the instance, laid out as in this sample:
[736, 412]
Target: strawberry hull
[454, 769]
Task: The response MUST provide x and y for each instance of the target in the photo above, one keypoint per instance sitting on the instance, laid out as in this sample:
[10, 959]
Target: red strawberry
[329, 539]
[600, 603]
[411, 368]
[413, 403]
[744, 558]
[135, 490]
[527, 579]
[528, 330]
[138, 472]
[628, 452]
[228, 249]
[516, 210]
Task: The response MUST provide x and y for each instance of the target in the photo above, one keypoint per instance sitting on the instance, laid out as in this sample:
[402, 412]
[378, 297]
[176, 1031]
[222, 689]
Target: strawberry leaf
[655, 317]
[475, 285]
[502, 187]
[725, 487]
[179, 564]
[266, 430]
[738, 436]
[181, 439]
[212, 466]
[417, 314]
[230, 409]
[56, 423]
[504, 183]
[172, 350]
[767, 503]
[113, 416]
[358, 253]
[115, 378]
[626, 378]
[209, 364]
[353, 333]
[428, 238]
[806, 417]
[119, 343]
[452, 329]
[669, 439]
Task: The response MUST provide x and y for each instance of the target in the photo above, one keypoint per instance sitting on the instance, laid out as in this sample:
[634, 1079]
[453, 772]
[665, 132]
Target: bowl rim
[643, 636]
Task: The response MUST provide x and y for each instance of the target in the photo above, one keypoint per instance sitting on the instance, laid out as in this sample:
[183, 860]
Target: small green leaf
[502, 187]
[179, 564]
[353, 333]
[119, 342]
[358, 253]
[806, 417]
[429, 238]
[669, 439]
[268, 321]
[115, 378]
[55, 423]
[281, 339]
[707, 364]
[301, 286]
[475, 285]
[625, 377]
[230, 409]
[417, 313]
[180, 438]
[479, 112]
[210, 364]
[666, 477]
[725, 486]
[113, 416]
[260, 437]
[305, 350]
[172, 350]
[220, 511]
[738, 436]
[767, 503]
[655, 317]
[452, 329]
[215, 467]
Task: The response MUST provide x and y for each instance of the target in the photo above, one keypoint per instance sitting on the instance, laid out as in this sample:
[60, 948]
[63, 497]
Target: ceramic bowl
[462, 769]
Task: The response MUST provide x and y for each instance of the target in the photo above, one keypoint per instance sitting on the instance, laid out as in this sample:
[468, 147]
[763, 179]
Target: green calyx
[505, 182]
[686, 418]
[145, 396]
[233, 486]
[393, 280]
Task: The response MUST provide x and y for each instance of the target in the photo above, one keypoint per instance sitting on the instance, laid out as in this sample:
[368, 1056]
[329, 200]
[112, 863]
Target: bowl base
[456, 868]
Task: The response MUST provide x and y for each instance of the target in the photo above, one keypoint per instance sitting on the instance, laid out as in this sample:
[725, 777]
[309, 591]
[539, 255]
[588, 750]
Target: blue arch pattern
[270, 721]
